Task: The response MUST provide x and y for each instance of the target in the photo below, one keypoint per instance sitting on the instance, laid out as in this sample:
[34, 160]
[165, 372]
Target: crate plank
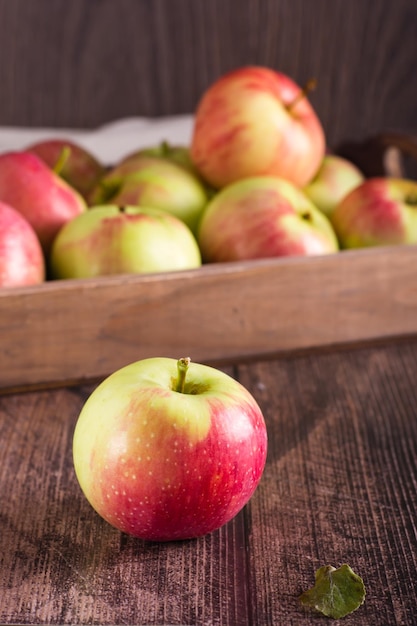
[81, 330]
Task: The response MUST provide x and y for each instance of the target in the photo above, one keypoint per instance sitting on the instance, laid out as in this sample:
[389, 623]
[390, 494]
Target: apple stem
[182, 367]
[308, 87]
[165, 148]
[109, 189]
[62, 159]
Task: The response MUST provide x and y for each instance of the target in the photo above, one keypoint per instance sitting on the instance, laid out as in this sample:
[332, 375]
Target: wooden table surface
[340, 485]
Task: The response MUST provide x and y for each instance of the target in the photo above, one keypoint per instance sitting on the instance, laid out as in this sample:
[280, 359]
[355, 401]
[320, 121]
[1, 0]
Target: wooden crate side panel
[77, 330]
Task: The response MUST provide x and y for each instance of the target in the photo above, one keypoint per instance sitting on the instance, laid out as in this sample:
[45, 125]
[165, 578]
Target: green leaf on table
[336, 592]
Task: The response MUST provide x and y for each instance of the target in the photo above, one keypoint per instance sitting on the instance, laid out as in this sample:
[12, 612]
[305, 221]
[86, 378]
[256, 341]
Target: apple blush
[378, 212]
[169, 450]
[45, 200]
[21, 257]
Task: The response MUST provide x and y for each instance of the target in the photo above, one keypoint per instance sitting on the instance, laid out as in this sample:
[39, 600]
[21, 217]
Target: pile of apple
[258, 180]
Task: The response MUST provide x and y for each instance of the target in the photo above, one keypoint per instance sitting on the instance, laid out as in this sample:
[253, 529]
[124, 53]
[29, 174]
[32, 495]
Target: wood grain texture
[85, 329]
[85, 63]
[340, 485]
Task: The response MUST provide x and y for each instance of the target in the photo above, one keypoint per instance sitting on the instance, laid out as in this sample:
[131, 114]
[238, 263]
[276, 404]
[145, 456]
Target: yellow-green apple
[169, 450]
[380, 211]
[76, 165]
[178, 154]
[263, 217]
[145, 180]
[21, 257]
[117, 240]
[43, 198]
[335, 178]
[256, 121]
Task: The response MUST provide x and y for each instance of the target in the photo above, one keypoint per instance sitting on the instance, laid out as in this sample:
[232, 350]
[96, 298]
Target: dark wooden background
[81, 63]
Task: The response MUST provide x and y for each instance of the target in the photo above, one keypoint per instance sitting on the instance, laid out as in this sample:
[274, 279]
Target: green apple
[113, 240]
[178, 154]
[169, 450]
[144, 180]
[335, 178]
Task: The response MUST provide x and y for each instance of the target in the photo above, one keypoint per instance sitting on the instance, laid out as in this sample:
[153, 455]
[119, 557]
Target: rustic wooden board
[82, 330]
[340, 485]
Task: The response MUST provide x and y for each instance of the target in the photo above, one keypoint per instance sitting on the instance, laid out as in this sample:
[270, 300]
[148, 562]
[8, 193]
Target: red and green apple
[255, 121]
[41, 196]
[169, 450]
[118, 240]
[380, 211]
[263, 217]
[74, 163]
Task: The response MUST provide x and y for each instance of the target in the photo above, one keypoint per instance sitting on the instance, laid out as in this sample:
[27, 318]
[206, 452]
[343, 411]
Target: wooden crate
[76, 330]
[70, 331]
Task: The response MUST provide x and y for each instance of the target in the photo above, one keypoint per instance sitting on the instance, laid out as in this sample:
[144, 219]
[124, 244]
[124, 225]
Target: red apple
[43, 198]
[118, 240]
[335, 178]
[168, 450]
[263, 217]
[380, 211]
[144, 180]
[76, 165]
[21, 256]
[256, 121]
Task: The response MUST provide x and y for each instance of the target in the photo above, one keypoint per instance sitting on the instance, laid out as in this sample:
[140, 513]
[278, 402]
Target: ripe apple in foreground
[41, 196]
[335, 178]
[150, 181]
[380, 211]
[169, 450]
[118, 240]
[76, 165]
[256, 121]
[21, 257]
[263, 217]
